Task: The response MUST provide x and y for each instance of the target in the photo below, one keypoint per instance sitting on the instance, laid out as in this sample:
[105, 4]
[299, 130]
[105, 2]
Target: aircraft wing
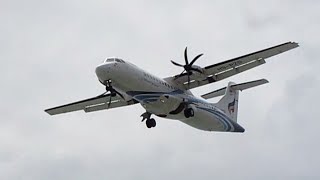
[92, 104]
[225, 69]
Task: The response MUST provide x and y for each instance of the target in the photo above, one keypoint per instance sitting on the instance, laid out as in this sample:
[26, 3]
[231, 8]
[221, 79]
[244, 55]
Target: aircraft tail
[229, 102]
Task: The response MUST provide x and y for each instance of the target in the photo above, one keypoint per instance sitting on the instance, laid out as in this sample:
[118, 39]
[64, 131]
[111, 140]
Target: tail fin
[229, 102]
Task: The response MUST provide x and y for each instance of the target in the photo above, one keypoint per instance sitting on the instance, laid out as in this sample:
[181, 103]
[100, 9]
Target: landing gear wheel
[151, 123]
[188, 112]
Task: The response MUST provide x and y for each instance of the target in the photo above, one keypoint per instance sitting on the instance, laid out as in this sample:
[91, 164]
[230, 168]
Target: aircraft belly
[161, 105]
[212, 120]
[204, 120]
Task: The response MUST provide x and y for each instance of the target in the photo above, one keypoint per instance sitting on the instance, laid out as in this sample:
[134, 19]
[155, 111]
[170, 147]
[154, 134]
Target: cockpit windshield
[114, 60]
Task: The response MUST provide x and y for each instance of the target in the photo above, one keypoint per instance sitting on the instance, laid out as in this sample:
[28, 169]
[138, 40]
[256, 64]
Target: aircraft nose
[103, 72]
[100, 70]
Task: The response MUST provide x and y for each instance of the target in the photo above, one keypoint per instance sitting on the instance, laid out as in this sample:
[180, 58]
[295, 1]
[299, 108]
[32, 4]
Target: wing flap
[79, 105]
[104, 106]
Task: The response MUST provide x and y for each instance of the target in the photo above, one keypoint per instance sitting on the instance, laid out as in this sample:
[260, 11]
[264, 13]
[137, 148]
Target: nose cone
[102, 72]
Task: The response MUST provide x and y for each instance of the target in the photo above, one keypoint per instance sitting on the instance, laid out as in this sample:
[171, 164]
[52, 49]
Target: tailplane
[229, 102]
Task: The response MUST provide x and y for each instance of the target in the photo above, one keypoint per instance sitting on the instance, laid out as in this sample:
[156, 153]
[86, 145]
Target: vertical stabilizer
[229, 102]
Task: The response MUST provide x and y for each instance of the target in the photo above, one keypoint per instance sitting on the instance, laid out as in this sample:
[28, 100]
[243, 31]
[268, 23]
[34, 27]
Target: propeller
[188, 66]
[112, 91]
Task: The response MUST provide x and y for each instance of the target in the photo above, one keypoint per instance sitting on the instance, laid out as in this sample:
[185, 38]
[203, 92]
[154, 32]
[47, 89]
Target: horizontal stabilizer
[240, 87]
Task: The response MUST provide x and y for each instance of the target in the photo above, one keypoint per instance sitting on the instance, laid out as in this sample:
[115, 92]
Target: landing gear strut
[150, 122]
[110, 89]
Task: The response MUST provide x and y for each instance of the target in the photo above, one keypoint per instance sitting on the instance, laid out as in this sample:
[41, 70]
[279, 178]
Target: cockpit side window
[119, 60]
[114, 60]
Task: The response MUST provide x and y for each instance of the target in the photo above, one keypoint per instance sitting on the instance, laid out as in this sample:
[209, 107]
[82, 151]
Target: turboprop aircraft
[171, 98]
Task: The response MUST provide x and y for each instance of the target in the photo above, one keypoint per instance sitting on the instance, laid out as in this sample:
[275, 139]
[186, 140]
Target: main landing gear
[188, 112]
[150, 122]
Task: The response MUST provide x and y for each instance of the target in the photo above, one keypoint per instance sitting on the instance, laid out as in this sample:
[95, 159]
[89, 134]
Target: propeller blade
[177, 64]
[188, 80]
[177, 76]
[187, 67]
[186, 56]
[194, 59]
[181, 73]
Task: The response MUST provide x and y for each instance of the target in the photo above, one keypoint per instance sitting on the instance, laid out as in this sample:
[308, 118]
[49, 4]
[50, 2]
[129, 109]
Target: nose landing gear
[110, 89]
[150, 122]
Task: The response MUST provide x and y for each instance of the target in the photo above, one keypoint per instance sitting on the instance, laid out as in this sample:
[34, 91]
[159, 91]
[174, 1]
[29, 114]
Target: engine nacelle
[198, 68]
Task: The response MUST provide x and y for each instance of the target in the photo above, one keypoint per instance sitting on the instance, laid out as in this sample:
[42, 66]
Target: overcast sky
[49, 51]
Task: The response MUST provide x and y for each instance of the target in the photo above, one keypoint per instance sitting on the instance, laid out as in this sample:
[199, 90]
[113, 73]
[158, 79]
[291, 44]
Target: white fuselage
[163, 98]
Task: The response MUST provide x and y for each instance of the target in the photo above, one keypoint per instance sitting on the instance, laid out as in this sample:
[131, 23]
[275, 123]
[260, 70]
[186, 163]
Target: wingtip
[294, 43]
[48, 112]
[265, 80]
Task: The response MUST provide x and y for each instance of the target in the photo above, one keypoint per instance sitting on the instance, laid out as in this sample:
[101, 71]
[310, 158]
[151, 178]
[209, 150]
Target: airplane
[170, 97]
